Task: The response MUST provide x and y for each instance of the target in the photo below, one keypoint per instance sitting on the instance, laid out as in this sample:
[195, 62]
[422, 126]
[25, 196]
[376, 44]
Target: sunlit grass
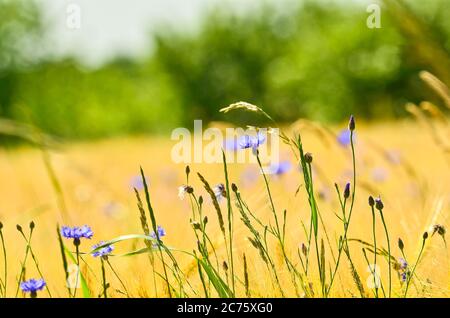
[398, 161]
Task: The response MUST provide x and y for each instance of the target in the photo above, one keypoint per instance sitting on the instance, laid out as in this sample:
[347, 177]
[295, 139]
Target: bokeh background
[149, 66]
[101, 100]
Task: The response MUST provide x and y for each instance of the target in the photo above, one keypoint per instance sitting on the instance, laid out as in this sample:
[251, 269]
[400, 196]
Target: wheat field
[92, 183]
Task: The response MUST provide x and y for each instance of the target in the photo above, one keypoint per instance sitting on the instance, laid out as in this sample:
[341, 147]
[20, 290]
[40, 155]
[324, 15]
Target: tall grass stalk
[104, 283]
[155, 230]
[344, 243]
[375, 251]
[380, 209]
[258, 241]
[23, 264]
[63, 257]
[5, 261]
[118, 277]
[33, 256]
[230, 221]
[277, 232]
[409, 277]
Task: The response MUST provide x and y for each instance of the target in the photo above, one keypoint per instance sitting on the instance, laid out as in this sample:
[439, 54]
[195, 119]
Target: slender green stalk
[105, 293]
[389, 252]
[117, 276]
[278, 233]
[375, 252]
[77, 250]
[155, 230]
[64, 258]
[347, 223]
[36, 263]
[200, 273]
[27, 251]
[230, 221]
[5, 260]
[258, 242]
[409, 277]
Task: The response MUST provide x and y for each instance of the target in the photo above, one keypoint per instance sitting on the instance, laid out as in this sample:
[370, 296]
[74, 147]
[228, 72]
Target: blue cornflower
[280, 168]
[344, 137]
[32, 286]
[76, 233]
[104, 251]
[253, 142]
[161, 233]
[403, 277]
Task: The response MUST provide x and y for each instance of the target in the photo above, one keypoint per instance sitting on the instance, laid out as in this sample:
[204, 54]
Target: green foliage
[310, 59]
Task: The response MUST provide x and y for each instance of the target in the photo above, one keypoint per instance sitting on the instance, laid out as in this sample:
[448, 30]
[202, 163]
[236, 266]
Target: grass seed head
[308, 157]
[351, 123]
[379, 204]
[371, 201]
[401, 246]
[347, 190]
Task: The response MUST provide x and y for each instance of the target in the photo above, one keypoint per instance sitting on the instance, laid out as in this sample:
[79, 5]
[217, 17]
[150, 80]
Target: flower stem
[389, 251]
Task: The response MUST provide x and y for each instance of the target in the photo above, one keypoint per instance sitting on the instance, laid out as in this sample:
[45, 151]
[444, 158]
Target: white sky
[112, 27]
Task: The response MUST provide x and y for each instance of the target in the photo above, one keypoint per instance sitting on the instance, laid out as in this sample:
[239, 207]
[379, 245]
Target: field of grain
[92, 183]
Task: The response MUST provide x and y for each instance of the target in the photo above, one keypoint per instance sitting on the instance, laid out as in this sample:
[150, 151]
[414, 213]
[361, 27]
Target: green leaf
[84, 286]
[219, 285]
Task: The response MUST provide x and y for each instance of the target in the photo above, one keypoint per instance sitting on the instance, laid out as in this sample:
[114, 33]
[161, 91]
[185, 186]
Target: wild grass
[323, 229]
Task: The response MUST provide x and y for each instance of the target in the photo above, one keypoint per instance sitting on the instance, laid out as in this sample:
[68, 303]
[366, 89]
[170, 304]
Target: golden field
[399, 161]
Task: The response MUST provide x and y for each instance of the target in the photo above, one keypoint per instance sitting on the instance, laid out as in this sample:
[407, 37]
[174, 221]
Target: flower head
[347, 190]
[161, 232]
[253, 142]
[403, 277]
[182, 190]
[403, 263]
[308, 157]
[220, 192]
[440, 229]
[104, 251]
[77, 232]
[32, 286]
[379, 204]
[351, 123]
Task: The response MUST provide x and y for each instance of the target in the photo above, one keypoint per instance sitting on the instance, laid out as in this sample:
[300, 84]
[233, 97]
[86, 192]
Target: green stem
[375, 253]
[389, 251]
[346, 224]
[117, 276]
[105, 294]
[5, 263]
[409, 278]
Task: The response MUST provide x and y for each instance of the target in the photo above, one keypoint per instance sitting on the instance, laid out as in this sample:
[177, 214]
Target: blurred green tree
[314, 59]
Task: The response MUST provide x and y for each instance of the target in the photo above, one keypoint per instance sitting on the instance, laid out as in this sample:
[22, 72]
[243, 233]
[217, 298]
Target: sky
[118, 27]
[108, 28]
